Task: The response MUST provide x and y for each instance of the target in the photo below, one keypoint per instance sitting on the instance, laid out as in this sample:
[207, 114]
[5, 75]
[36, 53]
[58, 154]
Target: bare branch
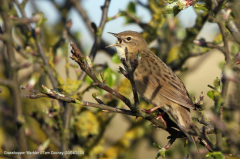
[130, 68]
[203, 43]
[14, 90]
[98, 34]
[24, 21]
[231, 25]
[37, 94]
[80, 59]
[23, 14]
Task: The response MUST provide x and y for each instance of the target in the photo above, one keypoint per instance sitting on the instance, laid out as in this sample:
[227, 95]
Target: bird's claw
[160, 116]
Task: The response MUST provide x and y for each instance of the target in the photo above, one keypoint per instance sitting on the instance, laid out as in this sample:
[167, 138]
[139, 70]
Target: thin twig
[130, 68]
[23, 14]
[231, 135]
[46, 63]
[51, 136]
[170, 128]
[37, 94]
[205, 141]
[203, 43]
[203, 121]
[141, 24]
[227, 59]
[19, 119]
[80, 59]
[231, 25]
[25, 21]
[98, 34]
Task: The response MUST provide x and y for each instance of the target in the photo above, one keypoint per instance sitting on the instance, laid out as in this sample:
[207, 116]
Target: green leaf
[116, 59]
[201, 7]
[161, 153]
[210, 95]
[217, 82]
[77, 35]
[204, 8]
[131, 7]
[176, 10]
[210, 86]
[185, 69]
[78, 101]
[110, 77]
[222, 64]
[223, 6]
[41, 20]
[100, 91]
[169, 9]
[216, 154]
[88, 80]
[158, 155]
[44, 145]
[170, 1]
[235, 48]
[156, 145]
[181, 6]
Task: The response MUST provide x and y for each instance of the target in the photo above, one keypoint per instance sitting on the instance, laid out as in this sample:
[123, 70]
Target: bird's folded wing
[173, 90]
[177, 95]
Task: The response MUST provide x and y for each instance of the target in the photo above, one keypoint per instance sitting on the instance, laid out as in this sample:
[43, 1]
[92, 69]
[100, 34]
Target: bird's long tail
[193, 139]
[183, 117]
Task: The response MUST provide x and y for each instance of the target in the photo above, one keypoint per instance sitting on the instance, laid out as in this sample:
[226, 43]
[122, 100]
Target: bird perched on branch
[155, 81]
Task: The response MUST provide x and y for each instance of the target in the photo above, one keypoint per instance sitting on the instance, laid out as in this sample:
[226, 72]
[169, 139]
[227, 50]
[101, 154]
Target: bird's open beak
[119, 40]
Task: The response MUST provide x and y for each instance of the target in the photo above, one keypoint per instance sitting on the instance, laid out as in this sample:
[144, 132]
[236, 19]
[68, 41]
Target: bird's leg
[159, 116]
[149, 111]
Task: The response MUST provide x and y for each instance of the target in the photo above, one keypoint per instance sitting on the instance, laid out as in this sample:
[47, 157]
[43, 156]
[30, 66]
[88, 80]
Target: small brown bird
[155, 81]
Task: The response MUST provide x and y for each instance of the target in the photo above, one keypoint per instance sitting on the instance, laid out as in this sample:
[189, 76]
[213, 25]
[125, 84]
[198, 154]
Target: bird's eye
[129, 38]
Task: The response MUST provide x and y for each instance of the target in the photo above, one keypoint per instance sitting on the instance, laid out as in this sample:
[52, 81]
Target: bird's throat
[120, 52]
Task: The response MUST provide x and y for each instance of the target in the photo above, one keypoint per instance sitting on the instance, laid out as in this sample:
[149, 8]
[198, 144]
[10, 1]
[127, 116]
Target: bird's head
[131, 40]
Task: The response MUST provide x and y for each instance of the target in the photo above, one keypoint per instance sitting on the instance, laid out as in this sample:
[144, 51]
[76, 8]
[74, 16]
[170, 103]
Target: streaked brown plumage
[155, 81]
